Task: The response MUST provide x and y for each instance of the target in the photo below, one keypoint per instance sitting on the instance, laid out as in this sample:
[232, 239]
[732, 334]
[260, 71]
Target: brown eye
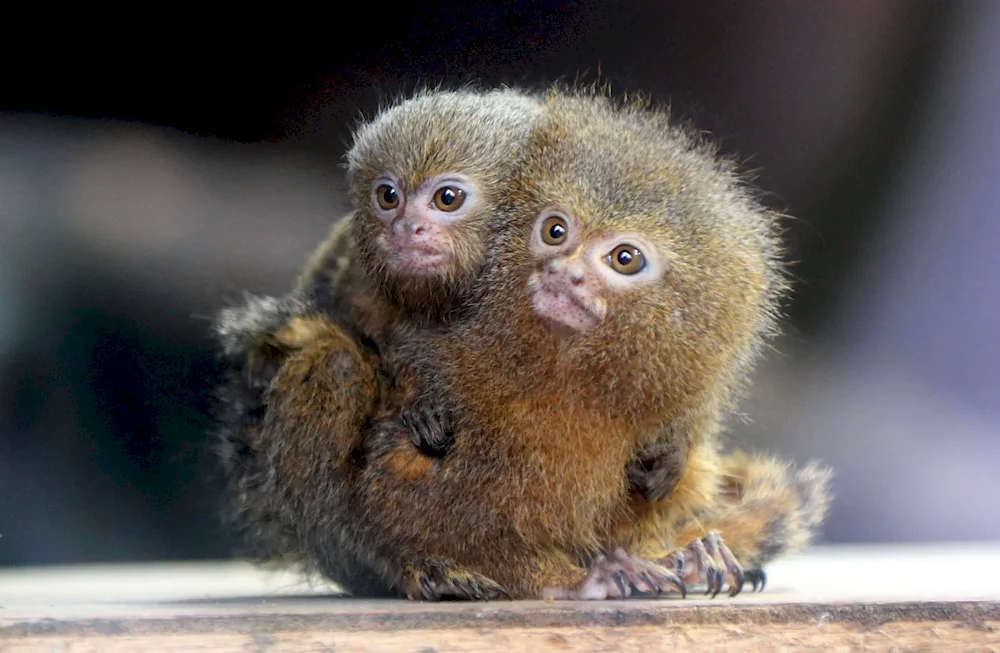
[626, 259]
[449, 198]
[554, 230]
[387, 197]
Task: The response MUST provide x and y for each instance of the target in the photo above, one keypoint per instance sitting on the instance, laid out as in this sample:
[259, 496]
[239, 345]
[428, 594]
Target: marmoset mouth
[413, 260]
[564, 306]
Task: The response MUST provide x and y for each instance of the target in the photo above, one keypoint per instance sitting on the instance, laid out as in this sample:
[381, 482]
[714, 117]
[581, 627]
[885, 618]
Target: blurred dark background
[148, 176]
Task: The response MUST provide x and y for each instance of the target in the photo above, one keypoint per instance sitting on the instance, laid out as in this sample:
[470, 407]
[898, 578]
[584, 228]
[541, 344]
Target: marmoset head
[648, 261]
[426, 175]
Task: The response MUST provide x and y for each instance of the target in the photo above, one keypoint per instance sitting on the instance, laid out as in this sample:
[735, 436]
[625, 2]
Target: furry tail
[247, 335]
[767, 508]
[241, 328]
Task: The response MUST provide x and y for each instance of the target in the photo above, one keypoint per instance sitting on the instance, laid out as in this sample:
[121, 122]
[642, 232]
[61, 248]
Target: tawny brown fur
[536, 484]
[481, 135]
[547, 423]
[763, 507]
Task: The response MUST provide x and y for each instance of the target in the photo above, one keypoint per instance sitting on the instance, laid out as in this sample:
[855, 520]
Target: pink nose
[405, 229]
[572, 272]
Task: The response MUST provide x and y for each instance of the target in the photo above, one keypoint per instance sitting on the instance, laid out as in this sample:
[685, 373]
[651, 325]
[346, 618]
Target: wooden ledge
[939, 598]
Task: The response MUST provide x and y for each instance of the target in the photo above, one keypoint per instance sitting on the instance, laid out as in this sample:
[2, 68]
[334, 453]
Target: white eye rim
[609, 258]
[387, 180]
[545, 214]
[653, 269]
[461, 182]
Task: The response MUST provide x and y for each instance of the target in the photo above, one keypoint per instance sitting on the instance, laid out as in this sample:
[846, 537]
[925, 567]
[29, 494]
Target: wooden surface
[914, 598]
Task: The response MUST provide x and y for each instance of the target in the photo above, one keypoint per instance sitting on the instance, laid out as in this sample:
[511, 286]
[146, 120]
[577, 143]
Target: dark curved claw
[481, 590]
[717, 550]
[620, 574]
[622, 583]
[650, 583]
[757, 577]
[715, 581]
[737, 586]
[669, 580]
[428, 589]
[470, 588]
[707, 559]
[438, 579]
[647, 576]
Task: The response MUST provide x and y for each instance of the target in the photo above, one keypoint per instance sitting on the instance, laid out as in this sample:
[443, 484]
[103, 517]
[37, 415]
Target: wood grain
[879, 599]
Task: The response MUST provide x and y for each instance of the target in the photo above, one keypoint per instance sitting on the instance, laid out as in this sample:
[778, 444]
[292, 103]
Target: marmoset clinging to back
[628, 285]
[425, 175]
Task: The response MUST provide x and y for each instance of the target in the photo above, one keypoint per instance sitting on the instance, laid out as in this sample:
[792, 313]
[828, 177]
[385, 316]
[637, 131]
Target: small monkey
[423, 185]
[624, 295]
[425, 176]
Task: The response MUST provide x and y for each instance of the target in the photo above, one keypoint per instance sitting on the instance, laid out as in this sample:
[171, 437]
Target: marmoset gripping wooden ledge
[887, 598]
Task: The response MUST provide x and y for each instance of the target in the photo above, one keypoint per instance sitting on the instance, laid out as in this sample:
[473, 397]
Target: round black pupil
[389, 195]
[625, 257]
[448, 197]
[557, 231]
